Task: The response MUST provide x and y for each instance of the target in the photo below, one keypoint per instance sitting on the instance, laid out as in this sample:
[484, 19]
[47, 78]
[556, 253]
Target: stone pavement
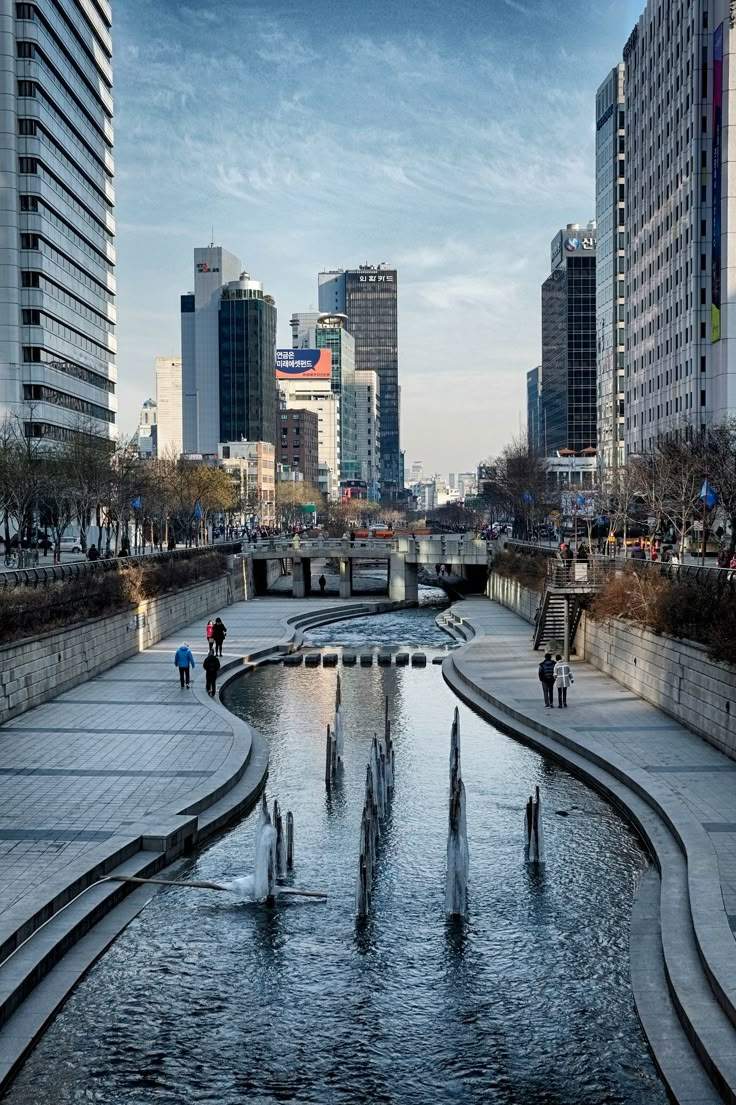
[125, 749]
[612, 722]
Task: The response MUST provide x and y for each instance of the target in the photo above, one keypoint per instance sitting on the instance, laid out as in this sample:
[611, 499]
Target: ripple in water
[209, 1000]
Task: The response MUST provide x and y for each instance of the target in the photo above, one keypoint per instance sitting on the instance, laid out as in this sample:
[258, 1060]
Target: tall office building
[228, 350]
[533, 404]
[567, 414]
[368, 296]
[303, 329]
[610, 194]
[331, 333]
[168, 402]
[311, 390]
[680, 280]
[57, 260]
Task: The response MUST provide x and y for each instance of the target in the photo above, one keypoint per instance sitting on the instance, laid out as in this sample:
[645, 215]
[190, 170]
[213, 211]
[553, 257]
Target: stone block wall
[39, 668]
[675, 676]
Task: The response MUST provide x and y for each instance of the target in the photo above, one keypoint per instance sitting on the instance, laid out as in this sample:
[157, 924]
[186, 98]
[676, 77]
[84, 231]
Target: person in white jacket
[563, 679]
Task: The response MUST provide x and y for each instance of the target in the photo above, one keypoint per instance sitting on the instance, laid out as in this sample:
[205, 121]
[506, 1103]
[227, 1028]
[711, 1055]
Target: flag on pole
[708, 495]
[136, 503]
[197, 510]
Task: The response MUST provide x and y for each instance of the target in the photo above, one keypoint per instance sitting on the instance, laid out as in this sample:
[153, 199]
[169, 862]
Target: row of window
[35, 242]
[31, 279]
[41, 393]
[33, 317]
[29, 89]
[41, 135]
[34, 205]
[33, 354]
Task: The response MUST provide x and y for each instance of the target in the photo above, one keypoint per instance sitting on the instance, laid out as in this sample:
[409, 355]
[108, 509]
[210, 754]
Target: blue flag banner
[527, 498]
[708, 495]
[136, 503]
[197, 510]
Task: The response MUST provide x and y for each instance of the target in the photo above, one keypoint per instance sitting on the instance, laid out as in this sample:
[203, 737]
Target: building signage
[572, 245]
[304, 364]
[376, 278]
[202, 266]
[715, 260]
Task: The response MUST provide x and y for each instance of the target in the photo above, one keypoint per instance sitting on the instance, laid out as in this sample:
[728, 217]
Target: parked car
[70, 544]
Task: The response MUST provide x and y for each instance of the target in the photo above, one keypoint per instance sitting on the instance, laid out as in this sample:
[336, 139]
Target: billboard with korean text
[309, 364]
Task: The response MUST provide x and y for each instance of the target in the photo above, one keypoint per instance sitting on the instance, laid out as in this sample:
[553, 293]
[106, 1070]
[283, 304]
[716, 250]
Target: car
[70, 544]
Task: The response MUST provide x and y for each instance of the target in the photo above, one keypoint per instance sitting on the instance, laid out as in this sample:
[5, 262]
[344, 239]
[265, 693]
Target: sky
[448, 138]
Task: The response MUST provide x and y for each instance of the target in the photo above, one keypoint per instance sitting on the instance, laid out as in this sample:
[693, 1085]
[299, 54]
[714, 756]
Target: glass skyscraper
[610, 147]
[57, 265]
[368, 296]
[567, 416]
[247, 340]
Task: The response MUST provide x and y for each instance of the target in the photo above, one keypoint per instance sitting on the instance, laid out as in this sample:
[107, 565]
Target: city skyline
[462, 207]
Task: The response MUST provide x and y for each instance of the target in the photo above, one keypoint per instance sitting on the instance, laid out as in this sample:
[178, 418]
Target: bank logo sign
[306, 364]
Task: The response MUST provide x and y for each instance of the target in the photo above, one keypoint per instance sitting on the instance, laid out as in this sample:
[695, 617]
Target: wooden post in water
[289, 841]
[328, 757]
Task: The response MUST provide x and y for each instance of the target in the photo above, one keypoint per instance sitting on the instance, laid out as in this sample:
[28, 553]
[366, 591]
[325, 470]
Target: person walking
[209, 631]
[219, 632]
[547, 679]
[563, 679]
[322, 584]
[92, 553]
[184, 661]
[211, 667]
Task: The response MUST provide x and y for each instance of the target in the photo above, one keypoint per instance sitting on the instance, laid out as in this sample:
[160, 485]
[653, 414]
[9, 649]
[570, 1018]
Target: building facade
[567, 415]
[169, 406]
[368, 296]
[317, 396]
[298, 445]
[610, 197]
[253, 465]
[57, 264]
[533, 404]
[368, 431]
[680, 279]
[331, 333]
[303, 329]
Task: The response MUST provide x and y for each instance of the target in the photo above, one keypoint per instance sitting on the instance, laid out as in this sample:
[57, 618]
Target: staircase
[551, 621]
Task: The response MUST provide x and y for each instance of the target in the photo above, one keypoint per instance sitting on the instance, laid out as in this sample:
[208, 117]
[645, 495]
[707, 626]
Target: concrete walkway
[677, 789]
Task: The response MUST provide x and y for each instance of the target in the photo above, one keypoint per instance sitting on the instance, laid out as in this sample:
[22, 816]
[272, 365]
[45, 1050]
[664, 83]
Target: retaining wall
[39, 668]
[675, 676]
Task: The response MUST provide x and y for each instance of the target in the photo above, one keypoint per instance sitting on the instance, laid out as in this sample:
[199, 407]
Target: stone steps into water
[329, 660]
[402, 659]
[384, 659]
[313, 659]
[349, 659]
[366, 659]
[418, 660]
[294, 659]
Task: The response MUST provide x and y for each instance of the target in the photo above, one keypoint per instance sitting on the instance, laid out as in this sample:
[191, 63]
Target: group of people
[184, 658]
[555, 673]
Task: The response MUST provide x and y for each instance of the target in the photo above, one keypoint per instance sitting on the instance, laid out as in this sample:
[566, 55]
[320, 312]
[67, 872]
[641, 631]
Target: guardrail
[77, 569]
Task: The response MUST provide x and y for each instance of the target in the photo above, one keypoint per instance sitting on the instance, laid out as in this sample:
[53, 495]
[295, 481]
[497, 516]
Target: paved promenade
[120, 752]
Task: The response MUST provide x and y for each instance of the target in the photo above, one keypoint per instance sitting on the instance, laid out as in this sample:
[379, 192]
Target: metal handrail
[76, 569]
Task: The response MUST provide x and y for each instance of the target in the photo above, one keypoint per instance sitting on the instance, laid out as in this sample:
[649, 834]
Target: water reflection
[528, 1001]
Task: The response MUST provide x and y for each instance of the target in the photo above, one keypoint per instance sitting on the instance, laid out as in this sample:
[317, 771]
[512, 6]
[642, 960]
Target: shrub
[529, 571]
[26, 611]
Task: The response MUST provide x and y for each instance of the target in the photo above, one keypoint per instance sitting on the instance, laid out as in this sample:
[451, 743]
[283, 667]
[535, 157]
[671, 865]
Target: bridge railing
[80, 569]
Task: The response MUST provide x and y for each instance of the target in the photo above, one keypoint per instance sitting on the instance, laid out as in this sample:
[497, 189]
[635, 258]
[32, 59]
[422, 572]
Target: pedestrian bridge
[462, 555]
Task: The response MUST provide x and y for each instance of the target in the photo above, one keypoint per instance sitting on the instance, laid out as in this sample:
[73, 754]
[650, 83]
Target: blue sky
[451, 138]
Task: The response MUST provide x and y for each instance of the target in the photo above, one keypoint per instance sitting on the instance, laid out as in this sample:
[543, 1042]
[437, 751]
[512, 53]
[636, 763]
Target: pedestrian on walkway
[219, 632]
[184, 661]
[547, 679]
[322, 584]
[211, 667]
[209, 631]
[563, 679]
[92, 553]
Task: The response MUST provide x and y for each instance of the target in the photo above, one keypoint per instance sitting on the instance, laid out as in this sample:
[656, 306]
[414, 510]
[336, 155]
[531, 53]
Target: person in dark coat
[219, 632]
[547, 679]
[322, 584]
[211, 667]
[92, 553]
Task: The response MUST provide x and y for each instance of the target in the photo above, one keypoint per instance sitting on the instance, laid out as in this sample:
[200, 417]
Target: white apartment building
[57, 263]
[253, 464]
[169, 406]
[316, 395]
[367, 391]
[680, 279]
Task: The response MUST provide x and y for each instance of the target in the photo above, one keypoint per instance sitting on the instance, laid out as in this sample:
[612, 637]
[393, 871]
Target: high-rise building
[368, 433]
[303, 328]
[331, 333]
[169, 404]
[248, 398]
[147, 430]
[680, 139]
[567, 415]
[368, 296]
[228, 349]
[200, 348]
[533, 404]
[610, 195]
[57, 262]
[304, 379]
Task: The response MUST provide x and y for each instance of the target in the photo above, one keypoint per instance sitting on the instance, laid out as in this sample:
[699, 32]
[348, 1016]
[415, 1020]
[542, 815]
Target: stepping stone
[329, 660]
[312, 659]
[366, 659]
[384, 659]
[294, 660]
[438, 659]
[402, 659]
[349, 659]
[418, 660]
